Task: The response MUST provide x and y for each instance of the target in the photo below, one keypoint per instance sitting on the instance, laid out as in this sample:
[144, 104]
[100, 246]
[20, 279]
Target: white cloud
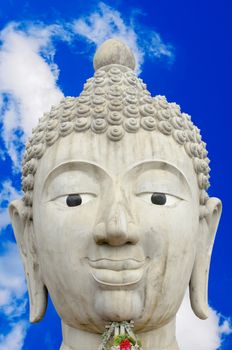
[157, 48]
[28, 78]
[7, 194]
[106, 22]
[12, 298]
[193, 333]
[12, 281]
[15, 338]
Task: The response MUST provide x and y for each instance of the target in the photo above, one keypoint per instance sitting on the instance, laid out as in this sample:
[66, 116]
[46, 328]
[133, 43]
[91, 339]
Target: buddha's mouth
[118, 273]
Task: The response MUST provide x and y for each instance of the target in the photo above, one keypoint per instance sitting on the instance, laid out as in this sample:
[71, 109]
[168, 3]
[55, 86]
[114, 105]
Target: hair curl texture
[114, 102]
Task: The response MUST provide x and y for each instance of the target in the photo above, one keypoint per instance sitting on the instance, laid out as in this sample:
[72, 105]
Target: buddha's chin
[119, 305]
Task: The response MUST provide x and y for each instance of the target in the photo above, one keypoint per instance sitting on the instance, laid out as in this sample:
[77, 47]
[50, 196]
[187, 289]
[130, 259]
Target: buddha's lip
[117, 264]
[116, 278]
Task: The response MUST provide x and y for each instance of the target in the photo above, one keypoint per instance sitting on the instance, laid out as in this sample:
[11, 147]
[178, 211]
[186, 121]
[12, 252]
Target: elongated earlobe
[24, 234]
[198, 287]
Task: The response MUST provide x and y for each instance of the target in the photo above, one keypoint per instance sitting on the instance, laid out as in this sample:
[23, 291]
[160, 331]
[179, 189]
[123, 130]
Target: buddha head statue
[116, 222]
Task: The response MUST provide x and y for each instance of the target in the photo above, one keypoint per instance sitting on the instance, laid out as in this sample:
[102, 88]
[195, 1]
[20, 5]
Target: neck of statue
[158, 339]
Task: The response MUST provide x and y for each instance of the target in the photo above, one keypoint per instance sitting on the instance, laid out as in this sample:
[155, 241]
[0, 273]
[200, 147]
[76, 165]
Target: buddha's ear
[198, 287]
[24, 234]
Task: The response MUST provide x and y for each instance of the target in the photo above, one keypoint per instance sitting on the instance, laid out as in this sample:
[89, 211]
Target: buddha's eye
[74, 199]
[158, 198]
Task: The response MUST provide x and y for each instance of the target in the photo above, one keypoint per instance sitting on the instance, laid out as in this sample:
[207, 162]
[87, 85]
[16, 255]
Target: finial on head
[113, 51]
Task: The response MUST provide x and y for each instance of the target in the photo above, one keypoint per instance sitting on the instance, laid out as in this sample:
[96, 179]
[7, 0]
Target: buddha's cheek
[63, 242]
[169, 241]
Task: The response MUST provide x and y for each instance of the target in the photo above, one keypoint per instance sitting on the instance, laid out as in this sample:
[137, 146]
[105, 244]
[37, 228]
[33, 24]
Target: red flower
[125, 345]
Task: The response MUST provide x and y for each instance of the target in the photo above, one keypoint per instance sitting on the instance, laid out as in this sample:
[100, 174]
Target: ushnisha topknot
[114, 51]
[114, 102]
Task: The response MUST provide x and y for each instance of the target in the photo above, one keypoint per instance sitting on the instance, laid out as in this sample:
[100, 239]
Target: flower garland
[119, 336]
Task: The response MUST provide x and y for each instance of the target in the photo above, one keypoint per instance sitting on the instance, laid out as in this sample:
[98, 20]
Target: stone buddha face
[126, 251]
[118, 232]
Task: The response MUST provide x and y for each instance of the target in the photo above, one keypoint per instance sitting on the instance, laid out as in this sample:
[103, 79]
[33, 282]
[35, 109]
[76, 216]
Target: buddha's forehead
[117, 157]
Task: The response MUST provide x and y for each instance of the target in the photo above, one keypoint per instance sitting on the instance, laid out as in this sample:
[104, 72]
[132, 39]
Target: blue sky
[183, 51]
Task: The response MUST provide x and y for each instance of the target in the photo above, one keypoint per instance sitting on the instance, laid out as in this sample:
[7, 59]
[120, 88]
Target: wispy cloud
[28, 78]
[193, 333]
[7, 194]
[12, 281]
[14, 340]
[12, 298]
[107, 22]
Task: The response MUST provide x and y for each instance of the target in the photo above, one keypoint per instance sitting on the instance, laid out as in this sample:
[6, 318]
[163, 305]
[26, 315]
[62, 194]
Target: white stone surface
[117, 256]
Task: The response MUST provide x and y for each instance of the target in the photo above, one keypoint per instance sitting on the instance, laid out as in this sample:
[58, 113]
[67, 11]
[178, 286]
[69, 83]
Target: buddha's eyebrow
[73, 165]
[157, 164]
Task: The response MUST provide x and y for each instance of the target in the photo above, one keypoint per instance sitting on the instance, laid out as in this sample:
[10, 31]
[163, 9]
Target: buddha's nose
[116, 228]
